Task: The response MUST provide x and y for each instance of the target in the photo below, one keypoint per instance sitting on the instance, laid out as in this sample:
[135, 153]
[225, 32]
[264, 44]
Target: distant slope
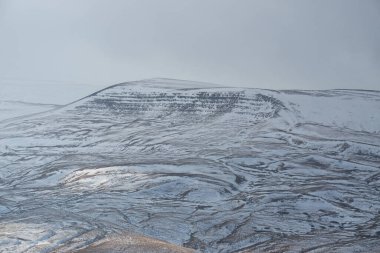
[14, 109]
[44, 92]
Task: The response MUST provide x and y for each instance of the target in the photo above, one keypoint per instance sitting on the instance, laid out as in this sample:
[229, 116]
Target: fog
[293, 44]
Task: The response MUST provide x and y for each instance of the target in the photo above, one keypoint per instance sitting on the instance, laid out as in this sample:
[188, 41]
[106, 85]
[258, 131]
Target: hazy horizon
[90, 45]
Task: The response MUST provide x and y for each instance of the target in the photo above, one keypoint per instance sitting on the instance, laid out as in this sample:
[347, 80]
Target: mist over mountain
[203, 166]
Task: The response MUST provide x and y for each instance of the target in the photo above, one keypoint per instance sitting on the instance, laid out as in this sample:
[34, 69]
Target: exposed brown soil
[133, 243]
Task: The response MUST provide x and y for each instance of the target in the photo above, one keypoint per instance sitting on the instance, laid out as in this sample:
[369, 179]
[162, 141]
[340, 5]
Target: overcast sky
[283, 44]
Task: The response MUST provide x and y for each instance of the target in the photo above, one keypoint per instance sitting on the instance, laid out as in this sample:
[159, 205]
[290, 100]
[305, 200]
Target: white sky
[85, 45]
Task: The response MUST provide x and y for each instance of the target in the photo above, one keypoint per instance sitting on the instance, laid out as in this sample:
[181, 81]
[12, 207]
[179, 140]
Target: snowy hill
[212, 168]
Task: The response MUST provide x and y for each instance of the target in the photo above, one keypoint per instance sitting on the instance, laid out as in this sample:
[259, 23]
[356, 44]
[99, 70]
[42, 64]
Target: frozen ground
[215, 169]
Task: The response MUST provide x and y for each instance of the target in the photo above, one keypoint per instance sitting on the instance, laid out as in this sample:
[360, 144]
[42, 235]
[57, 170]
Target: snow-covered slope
[211, 168]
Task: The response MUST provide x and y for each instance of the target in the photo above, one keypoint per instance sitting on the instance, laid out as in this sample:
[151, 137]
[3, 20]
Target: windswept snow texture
[215, 169]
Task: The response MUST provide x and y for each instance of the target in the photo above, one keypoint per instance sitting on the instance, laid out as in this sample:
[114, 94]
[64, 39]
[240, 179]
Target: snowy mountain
[212, 168]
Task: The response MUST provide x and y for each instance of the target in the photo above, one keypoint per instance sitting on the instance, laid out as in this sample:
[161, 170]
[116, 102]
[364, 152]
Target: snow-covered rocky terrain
[211, 168]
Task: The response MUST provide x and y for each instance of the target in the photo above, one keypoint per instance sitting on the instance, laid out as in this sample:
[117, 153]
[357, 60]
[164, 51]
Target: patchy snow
[214, 168]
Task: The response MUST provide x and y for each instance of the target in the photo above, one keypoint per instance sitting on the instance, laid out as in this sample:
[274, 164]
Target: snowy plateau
[169, 166]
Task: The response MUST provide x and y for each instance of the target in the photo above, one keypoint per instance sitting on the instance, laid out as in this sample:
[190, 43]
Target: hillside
[212, 168]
